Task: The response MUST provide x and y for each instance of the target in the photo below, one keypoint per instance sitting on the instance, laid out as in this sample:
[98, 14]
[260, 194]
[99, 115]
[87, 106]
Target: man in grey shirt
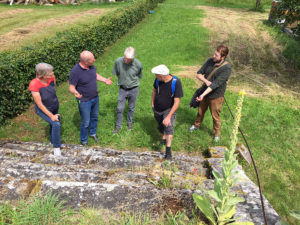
[129, 71]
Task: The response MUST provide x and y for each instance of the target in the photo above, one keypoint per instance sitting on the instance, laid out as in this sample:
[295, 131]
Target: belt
[127, 89]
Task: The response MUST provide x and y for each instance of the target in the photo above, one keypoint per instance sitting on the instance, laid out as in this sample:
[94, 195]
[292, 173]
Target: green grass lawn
[173, 35]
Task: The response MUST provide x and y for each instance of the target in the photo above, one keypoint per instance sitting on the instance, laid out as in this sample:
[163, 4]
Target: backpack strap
[156, 85]
[215, 69]
[173, 85]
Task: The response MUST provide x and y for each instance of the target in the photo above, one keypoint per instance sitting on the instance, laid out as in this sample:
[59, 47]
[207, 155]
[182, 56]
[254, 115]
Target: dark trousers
[131, 96]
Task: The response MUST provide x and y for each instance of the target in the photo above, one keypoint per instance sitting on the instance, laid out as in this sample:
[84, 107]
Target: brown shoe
[115, 131]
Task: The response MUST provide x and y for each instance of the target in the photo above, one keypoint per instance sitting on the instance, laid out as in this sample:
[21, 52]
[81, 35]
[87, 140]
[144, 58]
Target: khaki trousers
[215, 106]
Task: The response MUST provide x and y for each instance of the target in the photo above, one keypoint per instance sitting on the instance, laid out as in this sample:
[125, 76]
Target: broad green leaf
[216, 174]
[204, 204]
[224, 217]
[214, 195]
[235, 200]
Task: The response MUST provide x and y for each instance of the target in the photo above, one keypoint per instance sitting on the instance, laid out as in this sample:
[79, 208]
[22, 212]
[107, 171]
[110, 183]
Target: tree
[287, 10]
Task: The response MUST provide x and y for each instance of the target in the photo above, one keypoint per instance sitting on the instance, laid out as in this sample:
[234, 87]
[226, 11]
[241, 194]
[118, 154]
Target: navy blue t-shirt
[47, 93]
[85, 81]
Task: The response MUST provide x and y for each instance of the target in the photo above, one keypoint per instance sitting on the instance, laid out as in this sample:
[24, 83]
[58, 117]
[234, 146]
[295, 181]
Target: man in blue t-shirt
[83, 84]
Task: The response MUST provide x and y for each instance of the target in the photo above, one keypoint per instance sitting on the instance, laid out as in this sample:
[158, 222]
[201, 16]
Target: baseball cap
[161, 70]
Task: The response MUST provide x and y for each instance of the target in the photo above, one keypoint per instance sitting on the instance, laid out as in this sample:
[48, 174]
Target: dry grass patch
[258, 64]
[40, 29]
[10, 13]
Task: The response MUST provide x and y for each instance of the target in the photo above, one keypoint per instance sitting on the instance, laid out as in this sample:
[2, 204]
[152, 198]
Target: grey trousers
[131, 96]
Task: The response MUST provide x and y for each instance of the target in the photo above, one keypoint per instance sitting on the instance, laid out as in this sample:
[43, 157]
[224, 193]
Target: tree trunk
[257, 4]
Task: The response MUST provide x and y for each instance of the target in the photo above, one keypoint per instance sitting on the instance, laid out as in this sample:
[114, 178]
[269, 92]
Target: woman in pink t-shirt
[46, 102]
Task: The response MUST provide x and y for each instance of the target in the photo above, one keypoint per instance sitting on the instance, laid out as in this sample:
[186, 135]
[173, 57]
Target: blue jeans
[54, 127]
[131, 96]
[89, 118]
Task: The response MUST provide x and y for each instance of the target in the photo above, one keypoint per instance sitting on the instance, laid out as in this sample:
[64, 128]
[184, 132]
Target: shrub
[62, 51]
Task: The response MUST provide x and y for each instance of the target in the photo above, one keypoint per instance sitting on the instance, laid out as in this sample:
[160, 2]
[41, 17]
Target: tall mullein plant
[221, 210]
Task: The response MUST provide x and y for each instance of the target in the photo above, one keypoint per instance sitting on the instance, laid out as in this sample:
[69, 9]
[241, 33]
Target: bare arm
[167, 120]
[107, 81]
[73, 90]
[206, 92]
[38, 100]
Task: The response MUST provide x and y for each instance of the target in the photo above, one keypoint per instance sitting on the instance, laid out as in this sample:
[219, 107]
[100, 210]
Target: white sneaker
[216, 139]
[57, 152]
[192, 128]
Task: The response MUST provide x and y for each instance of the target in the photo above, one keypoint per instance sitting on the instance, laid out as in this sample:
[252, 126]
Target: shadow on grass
[149, 126]
[76, 120]
[186, 117]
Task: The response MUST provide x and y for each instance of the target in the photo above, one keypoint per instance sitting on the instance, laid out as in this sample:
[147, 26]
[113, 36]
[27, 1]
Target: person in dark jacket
[213, 96]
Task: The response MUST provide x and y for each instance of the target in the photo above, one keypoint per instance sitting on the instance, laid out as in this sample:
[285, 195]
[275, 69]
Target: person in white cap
[128, 70]
[165, 101]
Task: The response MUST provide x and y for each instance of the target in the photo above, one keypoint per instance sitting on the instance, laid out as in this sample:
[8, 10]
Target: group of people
[166, 95]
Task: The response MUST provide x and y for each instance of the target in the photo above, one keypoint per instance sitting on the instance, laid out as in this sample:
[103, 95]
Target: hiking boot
[84, 143]
[115, 131]
[192, 128]
[95, 138]
[168, 154]
[130, 126]
[56, 152]
[216, 139]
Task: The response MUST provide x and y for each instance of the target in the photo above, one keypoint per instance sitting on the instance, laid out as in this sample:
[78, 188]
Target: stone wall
[105, 178]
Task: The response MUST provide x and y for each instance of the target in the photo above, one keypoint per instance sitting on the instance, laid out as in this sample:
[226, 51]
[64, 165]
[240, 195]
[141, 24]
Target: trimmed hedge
[17, 68]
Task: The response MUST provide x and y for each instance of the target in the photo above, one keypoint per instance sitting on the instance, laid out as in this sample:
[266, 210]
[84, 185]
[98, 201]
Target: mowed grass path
[173, 35]
[22, 25]
[19, 16]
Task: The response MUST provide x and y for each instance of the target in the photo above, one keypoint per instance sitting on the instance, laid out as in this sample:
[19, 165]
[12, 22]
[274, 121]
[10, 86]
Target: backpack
[172, 86]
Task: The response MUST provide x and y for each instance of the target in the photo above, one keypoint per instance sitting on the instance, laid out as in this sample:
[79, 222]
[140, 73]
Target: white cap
[161, 70]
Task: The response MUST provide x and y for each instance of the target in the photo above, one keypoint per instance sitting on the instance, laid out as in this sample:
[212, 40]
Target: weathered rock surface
[101, 178]
[117, 180]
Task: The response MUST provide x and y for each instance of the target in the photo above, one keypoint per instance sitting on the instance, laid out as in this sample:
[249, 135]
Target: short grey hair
[129, 53]
[43, 69]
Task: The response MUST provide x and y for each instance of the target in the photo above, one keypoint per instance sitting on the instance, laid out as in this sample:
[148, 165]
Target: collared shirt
[128, 74]
[218, 80]
[85, 81]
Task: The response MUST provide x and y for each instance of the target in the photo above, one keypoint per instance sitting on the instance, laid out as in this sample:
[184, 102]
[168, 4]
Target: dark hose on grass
[256, 172]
